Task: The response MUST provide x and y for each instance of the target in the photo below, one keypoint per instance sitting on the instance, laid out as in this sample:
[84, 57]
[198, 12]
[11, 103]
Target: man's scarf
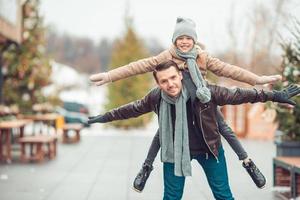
[175, 150]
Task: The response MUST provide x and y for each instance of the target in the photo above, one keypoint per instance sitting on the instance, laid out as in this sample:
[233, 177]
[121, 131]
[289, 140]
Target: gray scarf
[202, 93]
[176, 151]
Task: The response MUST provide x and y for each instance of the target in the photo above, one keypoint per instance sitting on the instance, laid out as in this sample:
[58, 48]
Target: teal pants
[216, 174]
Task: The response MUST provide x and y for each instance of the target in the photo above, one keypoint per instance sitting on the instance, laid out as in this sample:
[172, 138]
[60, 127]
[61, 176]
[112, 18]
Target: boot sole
[262, 186]
[139, 191]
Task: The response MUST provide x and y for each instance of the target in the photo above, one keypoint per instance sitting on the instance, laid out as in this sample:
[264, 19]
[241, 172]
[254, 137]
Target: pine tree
[289, 120]
[28, 68]
[126, 50]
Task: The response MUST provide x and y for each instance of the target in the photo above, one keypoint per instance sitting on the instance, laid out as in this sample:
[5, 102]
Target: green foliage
[28, 69]
[289, 120]
[127, 50]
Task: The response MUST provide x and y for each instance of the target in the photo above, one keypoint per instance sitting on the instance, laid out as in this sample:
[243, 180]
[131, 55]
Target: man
[188, 128]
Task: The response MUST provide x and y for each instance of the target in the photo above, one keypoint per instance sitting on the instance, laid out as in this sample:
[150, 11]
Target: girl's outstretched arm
[137, 67]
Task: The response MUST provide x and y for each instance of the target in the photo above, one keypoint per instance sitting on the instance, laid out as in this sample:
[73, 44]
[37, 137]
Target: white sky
[152, 19]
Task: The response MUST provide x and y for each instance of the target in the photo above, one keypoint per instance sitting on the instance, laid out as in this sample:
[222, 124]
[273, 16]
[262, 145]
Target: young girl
[185, 52]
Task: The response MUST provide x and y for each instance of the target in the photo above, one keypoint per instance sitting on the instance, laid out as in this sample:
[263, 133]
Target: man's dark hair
[163, 66]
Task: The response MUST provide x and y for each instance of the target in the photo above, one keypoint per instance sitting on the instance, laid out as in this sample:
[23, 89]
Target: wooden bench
[286, 172]
[44, 145]
[67, 128]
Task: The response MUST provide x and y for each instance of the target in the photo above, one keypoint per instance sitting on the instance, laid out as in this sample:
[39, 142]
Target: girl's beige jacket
[204, 61]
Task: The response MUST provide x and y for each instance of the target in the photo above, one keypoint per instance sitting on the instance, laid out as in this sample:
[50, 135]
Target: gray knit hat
[184, 26]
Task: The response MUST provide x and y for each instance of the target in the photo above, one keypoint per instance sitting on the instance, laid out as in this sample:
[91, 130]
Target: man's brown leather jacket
[205, 113]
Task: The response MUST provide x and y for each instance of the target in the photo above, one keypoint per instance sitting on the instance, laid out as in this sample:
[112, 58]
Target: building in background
[11, 23]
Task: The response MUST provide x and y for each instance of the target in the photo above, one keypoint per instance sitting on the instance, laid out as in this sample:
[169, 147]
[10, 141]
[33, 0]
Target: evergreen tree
[28, 69]
[289, 120]
[128, 49]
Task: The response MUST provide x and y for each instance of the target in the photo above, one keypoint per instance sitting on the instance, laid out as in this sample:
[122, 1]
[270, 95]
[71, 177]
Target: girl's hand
[100, 78]
[268, 79]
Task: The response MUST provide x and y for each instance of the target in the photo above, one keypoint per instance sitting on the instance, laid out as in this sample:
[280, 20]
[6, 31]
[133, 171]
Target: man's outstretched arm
[130, 110]
[223, 96]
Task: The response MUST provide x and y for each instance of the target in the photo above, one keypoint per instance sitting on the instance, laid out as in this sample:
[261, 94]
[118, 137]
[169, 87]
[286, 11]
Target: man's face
[169, 81]
[184, 43]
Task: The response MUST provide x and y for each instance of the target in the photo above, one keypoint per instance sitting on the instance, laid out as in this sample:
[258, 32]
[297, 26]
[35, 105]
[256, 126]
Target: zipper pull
[206, 154]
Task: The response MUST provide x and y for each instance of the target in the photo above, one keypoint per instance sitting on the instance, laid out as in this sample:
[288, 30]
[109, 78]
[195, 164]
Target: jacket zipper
[204, 136]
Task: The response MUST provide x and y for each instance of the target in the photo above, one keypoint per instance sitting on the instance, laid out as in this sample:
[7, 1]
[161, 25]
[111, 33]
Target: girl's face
[184, 43]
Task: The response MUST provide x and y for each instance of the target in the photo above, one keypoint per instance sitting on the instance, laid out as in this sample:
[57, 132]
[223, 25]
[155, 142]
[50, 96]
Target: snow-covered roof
[66, 76]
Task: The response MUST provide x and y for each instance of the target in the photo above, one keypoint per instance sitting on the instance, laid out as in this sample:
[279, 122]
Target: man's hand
[97, 119]
[100, 78]
[283, 96]
[268, 79]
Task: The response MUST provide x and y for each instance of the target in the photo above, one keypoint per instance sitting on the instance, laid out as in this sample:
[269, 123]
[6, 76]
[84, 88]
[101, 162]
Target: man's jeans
[216, 174]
